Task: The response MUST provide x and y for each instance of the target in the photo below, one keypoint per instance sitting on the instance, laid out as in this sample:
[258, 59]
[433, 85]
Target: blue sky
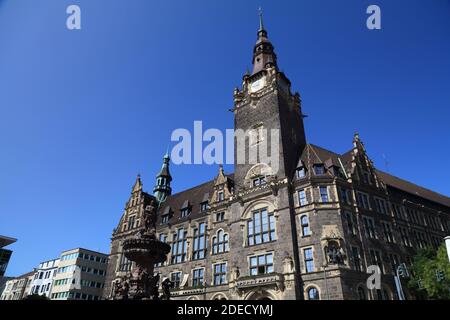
[82, 112]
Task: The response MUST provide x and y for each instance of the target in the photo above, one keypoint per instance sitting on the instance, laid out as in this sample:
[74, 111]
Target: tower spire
[263, 52]
[162, 188]
[261, 23]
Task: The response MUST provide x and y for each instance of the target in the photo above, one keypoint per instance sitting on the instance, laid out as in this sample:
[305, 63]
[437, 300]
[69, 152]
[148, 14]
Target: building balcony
[275, 280]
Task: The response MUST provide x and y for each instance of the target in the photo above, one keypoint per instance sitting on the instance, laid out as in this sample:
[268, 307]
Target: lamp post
[447, 244]
[326, 280]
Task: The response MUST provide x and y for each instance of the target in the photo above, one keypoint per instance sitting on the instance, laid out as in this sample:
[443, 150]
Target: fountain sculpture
[145, 250]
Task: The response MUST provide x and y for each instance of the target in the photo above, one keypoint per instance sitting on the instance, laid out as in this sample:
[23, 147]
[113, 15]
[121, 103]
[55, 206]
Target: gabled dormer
[362, 168]
[222, 189]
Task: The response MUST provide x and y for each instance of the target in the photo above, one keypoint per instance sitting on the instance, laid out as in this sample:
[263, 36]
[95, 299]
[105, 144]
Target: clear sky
[82, 112]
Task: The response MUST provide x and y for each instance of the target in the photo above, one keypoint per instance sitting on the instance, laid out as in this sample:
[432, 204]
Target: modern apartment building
[80, 275]
[18, 288]
[43, 278]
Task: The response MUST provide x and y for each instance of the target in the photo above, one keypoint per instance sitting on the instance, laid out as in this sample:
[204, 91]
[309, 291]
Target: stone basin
[145, 251]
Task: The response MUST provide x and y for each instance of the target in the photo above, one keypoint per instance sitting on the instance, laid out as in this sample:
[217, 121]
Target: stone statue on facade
[166, 286]
[334, 253]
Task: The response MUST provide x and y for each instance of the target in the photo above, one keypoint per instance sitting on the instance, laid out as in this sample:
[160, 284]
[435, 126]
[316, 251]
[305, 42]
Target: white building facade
[43, 278]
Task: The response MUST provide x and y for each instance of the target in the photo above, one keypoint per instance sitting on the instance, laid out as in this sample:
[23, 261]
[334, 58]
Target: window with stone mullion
[261, 228]
[199, 248]
[179, 247]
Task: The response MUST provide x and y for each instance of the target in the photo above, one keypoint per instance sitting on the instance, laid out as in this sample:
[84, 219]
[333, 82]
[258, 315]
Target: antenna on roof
[386, 163]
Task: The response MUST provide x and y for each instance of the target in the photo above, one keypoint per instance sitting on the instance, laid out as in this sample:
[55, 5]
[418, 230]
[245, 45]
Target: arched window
[304, 222]
[261, 228]
[220, 242]
[313, 293]
[361, 294]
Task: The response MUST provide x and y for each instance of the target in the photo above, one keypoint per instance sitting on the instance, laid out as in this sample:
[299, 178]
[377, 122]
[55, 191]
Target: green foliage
[425, 278]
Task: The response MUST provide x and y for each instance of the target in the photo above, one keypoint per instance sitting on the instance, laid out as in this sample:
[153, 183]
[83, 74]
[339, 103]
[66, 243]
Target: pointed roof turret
[263, 52]
[162, 188]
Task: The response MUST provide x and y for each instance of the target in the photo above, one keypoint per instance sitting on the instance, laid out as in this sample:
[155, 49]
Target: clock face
[257, 85]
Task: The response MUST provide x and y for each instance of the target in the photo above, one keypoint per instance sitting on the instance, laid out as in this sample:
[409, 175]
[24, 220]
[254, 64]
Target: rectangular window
[220, 196]
[405, 237]
[344, 195]
[259, 181]
[301, 172]
[199, 248]
[204, 206]
[261, 264]
[198, 277]
[319, 169]
[309, 259]
[380, 205]
[261, 228]
[302, 197]
[220, 216]
[323, 194]
[124, 264]
[387, 231]
[175, 277]
[351, 222]
[220, 274]
[393, 258]
[164, 218]
[131, 222]
[370, 227]
[179, 246]
[363, 200]
[356, 259]
[304, 223]
[375, 258]
[185, 212]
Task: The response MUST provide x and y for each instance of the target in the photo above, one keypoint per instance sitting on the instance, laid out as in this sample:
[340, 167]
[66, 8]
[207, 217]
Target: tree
[431, 273]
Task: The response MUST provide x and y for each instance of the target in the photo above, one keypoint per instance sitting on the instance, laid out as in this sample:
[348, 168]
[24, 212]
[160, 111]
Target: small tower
[162, 188]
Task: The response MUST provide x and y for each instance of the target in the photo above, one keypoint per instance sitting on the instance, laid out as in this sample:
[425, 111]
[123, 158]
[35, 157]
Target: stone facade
[306, 227]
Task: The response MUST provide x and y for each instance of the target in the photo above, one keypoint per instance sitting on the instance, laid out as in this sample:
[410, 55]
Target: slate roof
[196, 195]
[388, 179]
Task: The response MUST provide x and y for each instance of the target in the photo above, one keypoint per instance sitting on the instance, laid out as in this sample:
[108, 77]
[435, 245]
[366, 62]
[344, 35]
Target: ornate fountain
[145, 250]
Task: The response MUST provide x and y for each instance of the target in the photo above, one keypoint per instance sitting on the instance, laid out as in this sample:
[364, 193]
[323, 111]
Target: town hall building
[308, 230]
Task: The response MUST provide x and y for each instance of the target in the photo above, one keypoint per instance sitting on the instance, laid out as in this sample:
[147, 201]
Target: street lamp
[447, 244]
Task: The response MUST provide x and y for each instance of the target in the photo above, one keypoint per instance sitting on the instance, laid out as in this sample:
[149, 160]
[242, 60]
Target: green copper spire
[162, 189]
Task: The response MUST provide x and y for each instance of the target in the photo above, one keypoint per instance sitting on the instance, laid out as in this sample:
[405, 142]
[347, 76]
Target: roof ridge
[414, 184]
[198, 186]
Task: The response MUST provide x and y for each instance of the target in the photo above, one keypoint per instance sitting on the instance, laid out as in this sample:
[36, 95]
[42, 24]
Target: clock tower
[270, 115]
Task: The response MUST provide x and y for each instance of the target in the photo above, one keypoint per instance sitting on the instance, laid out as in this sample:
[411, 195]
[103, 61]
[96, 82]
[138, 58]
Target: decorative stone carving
[145, 250]
[332, 244]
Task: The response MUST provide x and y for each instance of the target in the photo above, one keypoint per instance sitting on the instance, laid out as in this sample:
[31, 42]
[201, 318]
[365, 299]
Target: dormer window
[301, 172]
[220, 196]
[164, 218]
[319, 169]
[185, 212]
[204, 206]
[185, 209]
[259, 181]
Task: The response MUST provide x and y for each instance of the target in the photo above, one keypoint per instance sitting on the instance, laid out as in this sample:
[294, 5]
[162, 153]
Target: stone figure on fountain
[145, 250]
